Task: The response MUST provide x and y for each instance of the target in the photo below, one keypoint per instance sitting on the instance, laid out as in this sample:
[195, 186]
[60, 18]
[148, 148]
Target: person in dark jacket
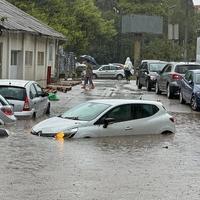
[88, 75]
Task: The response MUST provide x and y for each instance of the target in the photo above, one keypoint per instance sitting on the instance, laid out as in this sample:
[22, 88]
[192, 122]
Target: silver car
[109, 71]
[27, 98]
[6, 112]
[108, 117]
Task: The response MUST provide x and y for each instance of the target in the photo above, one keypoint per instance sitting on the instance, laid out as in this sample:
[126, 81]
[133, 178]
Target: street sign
[142, 24]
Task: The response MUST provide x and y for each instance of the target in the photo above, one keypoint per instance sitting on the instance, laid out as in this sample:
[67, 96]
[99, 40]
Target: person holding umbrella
[88, 61]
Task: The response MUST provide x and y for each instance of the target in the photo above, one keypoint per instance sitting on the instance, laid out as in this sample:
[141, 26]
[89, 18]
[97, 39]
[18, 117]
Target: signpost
[139, 24]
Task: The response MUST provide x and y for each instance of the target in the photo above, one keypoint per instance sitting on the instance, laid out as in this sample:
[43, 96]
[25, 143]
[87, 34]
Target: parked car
[148, 72]
[190, 89]
[108, 117]
[27, 97]
[118, 64]
[109, 71]
[169, 78]
[6, 112]
[122, 67]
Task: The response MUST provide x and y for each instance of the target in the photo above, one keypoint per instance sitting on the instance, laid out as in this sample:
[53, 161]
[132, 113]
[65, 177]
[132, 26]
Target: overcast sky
[196, 2]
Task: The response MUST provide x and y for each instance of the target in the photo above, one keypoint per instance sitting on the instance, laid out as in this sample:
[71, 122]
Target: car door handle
[128, 128]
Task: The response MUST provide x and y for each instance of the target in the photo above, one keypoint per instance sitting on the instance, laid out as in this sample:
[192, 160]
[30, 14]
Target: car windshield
[156, 67]
[86, 111]
[197, 78]
[182, 69]
[11, 92]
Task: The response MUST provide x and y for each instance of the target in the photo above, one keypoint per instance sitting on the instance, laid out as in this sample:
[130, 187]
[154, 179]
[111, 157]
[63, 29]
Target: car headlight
[67, 133]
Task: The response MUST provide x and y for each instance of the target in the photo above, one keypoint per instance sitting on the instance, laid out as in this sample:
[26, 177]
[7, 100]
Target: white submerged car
[108, 117]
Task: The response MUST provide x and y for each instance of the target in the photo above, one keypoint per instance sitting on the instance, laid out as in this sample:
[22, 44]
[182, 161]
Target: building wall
[39, 49]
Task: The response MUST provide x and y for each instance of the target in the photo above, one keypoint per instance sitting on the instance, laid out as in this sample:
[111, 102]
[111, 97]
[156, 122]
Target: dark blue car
[190, 89]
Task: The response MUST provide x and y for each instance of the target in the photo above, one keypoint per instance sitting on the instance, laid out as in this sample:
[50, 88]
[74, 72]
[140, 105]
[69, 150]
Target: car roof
[13, 82]
[115, 102]
[154, 61]
[184, 63]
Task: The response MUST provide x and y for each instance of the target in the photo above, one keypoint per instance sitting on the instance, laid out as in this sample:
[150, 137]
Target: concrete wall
[22, 42]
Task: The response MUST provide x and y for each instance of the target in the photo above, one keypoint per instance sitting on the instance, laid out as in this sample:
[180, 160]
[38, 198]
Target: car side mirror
[191, 82]
[44, 94]
[108, 121]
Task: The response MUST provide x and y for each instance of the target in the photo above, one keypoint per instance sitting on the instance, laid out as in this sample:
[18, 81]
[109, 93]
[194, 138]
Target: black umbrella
[89, 59]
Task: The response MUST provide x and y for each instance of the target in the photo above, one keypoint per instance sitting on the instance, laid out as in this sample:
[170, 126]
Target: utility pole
[186, 31]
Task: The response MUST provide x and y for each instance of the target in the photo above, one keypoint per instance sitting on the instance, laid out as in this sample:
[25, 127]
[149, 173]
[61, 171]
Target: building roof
[14, 19]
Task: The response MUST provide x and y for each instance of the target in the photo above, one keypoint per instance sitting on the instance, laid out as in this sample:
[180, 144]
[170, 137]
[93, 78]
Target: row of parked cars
[174, 78]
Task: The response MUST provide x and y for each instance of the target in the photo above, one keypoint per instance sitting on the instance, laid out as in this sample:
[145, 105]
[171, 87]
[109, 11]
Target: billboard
[142, 24]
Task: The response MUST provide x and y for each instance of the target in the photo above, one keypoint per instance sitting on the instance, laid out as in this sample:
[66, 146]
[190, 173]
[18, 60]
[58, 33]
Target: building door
[1, 49]
[16, 65]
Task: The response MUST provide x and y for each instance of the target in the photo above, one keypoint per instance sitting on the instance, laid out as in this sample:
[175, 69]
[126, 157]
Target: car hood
[56, 124]
[153, 74]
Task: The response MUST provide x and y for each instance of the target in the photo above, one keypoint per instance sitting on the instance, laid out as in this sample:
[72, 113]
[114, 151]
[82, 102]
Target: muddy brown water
[135, 167]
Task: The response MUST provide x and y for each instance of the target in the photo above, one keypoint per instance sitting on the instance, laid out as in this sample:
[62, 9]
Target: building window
[14, 57]
[29, 58]
[40, 58]
[50, 52]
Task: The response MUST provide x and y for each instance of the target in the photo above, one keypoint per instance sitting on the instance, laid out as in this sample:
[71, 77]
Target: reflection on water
[132, 167]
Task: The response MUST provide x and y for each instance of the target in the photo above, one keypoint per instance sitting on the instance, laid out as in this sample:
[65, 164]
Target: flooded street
[146, 167]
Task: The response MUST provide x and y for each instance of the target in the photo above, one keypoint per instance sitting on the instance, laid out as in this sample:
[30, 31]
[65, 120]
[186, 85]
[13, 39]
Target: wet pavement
[138, 167]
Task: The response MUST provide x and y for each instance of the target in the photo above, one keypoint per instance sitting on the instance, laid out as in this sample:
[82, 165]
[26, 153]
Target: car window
[38, 89]
[144, 66]
[114, 67]
[197, 78]
[105, 68]
[120, 113]
[182, 69]
[156, 67]
[86, 111]
[33, 92]
[168, 68]
[188, 76]
[12, 92]
[143, 110]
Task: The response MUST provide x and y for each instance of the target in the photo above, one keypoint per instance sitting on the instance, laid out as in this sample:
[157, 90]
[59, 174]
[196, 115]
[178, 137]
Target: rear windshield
[156, 67]
[15, 93]
[197, 78]
[182, 69]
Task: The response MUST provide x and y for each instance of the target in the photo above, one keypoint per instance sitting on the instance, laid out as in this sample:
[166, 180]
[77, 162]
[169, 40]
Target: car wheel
[181, 99]
[193, 103]
[157, 88]
[48, 109]
[94, 76]
[148, 85]
[119, 77]
[139, 84]
[169, 92]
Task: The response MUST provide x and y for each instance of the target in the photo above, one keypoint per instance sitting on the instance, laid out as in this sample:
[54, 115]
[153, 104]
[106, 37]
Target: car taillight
[172, 119]
[26, 104]
[7, 110]
[176, 76]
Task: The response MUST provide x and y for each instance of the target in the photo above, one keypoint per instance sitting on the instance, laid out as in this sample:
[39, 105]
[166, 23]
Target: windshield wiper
[74, 118]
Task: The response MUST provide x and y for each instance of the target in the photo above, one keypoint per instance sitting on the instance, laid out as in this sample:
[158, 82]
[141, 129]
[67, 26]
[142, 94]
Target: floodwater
[137, 167]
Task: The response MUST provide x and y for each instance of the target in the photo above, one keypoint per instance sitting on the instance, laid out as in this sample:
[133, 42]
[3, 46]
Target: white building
[28, 47]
